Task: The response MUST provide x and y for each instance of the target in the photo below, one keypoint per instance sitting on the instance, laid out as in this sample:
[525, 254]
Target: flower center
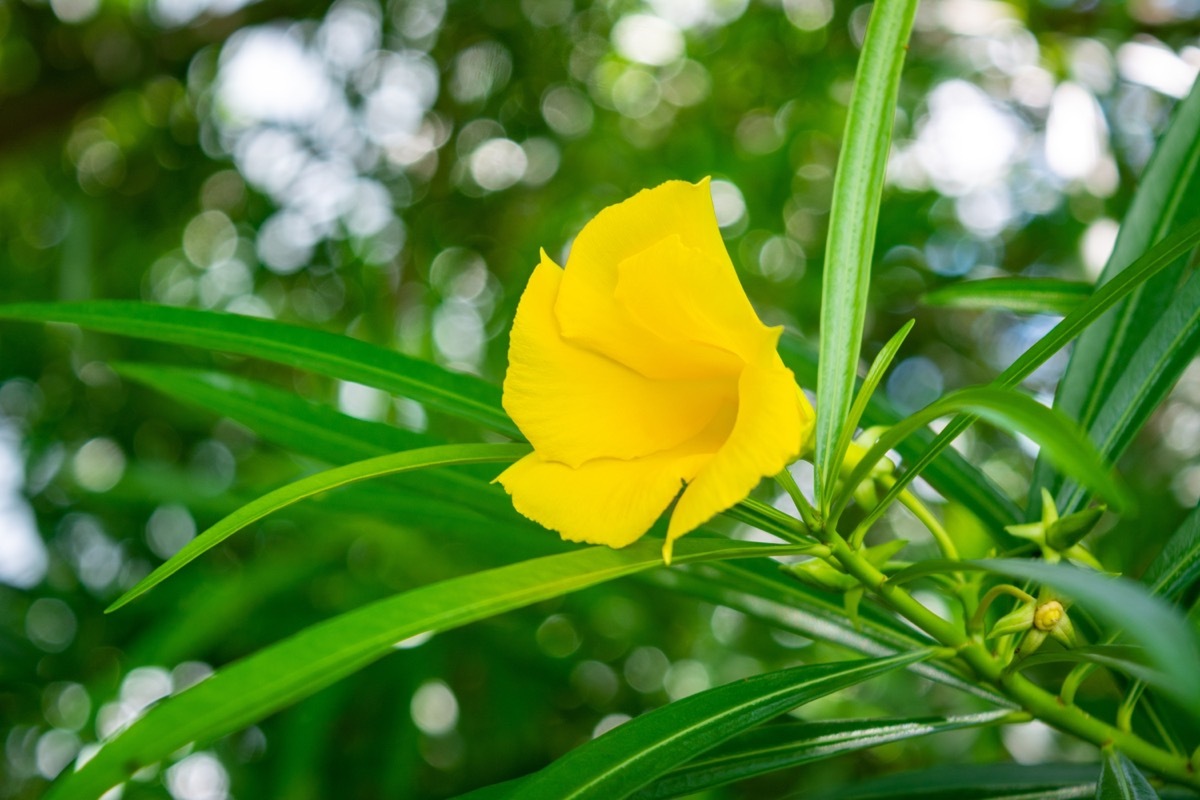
[1047, 615]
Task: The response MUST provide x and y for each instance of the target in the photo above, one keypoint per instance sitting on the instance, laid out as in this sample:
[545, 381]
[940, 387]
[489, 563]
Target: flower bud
[1067, 531]
[1018, 620]
[820, 575]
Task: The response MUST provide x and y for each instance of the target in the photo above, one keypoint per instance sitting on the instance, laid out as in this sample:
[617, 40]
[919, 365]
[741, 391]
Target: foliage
[280, 246]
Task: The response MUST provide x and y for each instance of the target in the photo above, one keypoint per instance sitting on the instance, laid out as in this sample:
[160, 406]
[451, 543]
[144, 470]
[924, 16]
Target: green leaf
[783, 746]
[640, 750]
[1168, 195]
[340, 357]
[976, 782]
[287, 419]
[767, 518]
[439, 456]
[949, 472]
[1177, 567]
[281, 674]
[315, 430]
[875, 374]
[1168, 347]
[853, 216]
[1170, 645]
[1122, 658]
[1158, 258]
[1062, 441]
[761, 591]
[1121, 780]
[1029, 295]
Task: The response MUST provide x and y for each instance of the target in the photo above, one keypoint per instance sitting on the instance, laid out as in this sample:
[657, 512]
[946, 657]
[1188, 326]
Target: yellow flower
[640, 368]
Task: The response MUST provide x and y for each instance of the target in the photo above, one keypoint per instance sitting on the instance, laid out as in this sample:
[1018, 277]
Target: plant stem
[926, 518]
[1037, 701]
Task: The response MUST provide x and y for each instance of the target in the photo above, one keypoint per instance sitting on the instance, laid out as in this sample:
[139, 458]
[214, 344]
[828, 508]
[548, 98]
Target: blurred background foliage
[389, 171]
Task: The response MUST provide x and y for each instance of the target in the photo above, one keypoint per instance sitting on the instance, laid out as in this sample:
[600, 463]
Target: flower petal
[575, 405]
[687, 295]
[587, 309]
[605, 501]
[773, 422]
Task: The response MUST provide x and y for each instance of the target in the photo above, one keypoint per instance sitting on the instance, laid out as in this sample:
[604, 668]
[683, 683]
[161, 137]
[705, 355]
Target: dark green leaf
[1121, 780]
[1124, 605]
[1166, 349]
[1015, 412]
[424, 458]
[1168, 196]
[775, 747]
[636, 752]
[976, 782]
[287, 419]
[1158, 258]
[875, 374]
[279, 675]
[760, 590]
[1031, 295]
[1177, 567]
[1125, 659]
[338, 357]
[951, 474]
[853, 215]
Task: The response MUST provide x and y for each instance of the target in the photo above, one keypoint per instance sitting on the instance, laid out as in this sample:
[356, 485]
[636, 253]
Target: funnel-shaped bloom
[640, 368]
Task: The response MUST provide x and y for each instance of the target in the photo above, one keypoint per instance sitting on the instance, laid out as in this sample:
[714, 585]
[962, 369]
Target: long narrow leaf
[1062, 441]
[1030, 295]
[339, 357]
[771, 748]
[976, 782]
[1166, 350]
[311, 429]
[759, 590]
[1158, 258]
[635, 753]
[1177, 567]
[1121, 780]
[1168, 195]
[1169, 642]
[949, 472]
[853, 216]
[293, 423]
[424, 458]
[277, 676]
[875, 374]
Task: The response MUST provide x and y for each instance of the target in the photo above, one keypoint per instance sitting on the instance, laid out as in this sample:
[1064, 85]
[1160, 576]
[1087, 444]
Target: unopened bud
[1069, 530]
[1018, 620]
[1047, 616]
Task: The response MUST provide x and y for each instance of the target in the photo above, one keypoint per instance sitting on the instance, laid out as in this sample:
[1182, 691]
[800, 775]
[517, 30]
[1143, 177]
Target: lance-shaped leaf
[1177, 567]
[1168, 196]
[1012, 411]
[424, 458]
[281, 674]
[1029, 295]
[1153, 262]
[640, 750]
[771, 748]
[1121, 780]
[853, 216]
[340, 357]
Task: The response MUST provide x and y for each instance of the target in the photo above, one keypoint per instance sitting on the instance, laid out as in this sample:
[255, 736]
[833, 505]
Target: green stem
[976, 623]
[926, 518]
[1037, 701]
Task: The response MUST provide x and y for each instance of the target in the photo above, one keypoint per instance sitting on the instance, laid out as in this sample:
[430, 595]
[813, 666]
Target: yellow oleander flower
[640, 368]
